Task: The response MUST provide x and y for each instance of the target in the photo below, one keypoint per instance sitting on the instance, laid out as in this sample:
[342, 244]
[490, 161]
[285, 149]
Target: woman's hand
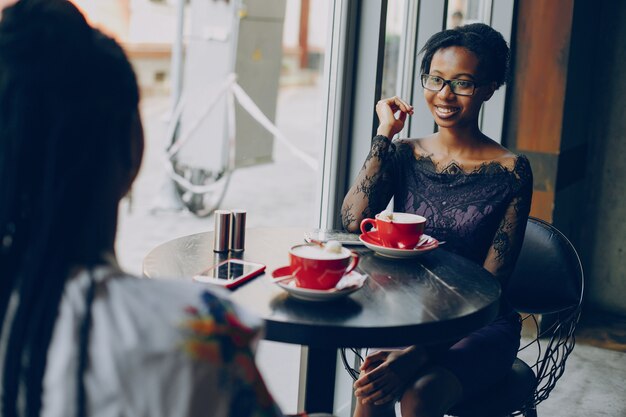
[386, 374]
[386, 109]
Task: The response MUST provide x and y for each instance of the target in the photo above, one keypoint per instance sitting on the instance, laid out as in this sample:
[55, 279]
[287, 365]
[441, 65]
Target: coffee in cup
[395, 230]
[319, 268]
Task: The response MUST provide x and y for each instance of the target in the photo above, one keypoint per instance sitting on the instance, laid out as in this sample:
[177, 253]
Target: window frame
[351, 71]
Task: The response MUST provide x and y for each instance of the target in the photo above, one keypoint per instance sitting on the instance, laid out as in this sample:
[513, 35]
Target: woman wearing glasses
[475, 195]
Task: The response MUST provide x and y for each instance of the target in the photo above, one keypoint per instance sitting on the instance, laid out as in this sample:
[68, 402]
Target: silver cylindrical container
[238, 231]
[221, 242]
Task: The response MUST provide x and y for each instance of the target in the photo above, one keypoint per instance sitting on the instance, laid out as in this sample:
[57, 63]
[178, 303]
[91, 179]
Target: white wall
[152, 22]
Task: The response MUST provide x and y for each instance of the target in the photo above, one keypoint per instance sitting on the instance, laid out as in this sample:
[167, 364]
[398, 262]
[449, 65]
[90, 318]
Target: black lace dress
[480, 214]
[464, 209]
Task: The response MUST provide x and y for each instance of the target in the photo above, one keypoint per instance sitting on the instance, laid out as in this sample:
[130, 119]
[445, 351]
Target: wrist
[408, 362]
[385, 130]
[383, 138]
[417, 353]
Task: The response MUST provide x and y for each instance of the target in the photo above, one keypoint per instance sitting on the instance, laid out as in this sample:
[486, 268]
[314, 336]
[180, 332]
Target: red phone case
[234, 283]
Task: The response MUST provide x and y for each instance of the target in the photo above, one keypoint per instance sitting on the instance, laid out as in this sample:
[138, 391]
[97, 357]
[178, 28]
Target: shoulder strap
[83, 348]
[84, 333]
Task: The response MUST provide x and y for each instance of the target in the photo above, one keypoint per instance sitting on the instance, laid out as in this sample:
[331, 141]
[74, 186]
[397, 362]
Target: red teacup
[402, 231]
[318, 269]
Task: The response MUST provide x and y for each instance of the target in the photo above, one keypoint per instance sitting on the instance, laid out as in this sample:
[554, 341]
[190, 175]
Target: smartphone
[341, 236]
[230, 273]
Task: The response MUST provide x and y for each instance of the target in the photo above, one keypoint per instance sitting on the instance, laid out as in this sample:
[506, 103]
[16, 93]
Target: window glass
[276, 48]
[277, 51]
[393, 41]
[463, 12]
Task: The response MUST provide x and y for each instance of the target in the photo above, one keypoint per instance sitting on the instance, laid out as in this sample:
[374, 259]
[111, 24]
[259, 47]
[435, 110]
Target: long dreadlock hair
[68, 103]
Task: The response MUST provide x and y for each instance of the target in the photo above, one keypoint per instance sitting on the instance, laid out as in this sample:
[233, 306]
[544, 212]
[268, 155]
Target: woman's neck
[460, 140]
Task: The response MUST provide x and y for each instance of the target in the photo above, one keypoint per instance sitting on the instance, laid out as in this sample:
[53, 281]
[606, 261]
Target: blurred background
[277, 50]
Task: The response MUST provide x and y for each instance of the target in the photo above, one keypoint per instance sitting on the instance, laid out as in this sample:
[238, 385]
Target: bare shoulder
[505, 157]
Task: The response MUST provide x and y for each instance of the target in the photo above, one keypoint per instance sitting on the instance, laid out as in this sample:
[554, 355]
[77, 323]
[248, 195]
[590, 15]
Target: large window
[277, 50]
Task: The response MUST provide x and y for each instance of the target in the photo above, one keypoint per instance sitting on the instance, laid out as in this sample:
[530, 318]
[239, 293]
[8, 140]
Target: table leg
[320, 380]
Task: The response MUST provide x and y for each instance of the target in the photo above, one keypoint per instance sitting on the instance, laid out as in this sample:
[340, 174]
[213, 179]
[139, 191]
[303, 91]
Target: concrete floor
[282, 194]
[592, 385]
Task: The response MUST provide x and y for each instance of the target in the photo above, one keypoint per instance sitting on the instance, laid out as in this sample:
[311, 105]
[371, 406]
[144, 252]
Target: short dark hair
[482, 40]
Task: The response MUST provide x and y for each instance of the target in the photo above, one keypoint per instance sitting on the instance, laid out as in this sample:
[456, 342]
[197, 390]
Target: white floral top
[156, 348]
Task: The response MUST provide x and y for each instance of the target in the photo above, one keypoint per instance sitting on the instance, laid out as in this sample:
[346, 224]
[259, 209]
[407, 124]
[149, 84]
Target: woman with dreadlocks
[79, 336]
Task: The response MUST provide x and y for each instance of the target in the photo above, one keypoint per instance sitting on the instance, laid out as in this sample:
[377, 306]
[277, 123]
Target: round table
[435, 297]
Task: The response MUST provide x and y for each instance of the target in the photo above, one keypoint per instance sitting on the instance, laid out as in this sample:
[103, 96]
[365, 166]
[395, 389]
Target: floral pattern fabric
[157, 348]
[217, 336]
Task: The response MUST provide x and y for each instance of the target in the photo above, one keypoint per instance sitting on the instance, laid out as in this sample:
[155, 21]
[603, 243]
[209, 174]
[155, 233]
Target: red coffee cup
[395, 230]
[319, 269]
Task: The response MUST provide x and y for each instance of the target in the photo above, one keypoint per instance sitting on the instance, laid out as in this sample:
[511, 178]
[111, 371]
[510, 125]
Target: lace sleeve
[509, 236]
[372, 189]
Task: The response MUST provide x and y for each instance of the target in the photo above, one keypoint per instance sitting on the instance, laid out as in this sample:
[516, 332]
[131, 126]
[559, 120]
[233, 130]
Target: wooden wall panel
[535, 114]
[543, 205]
[541, 58]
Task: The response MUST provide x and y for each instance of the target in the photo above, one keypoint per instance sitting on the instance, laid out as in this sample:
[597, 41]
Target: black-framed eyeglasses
[459, 87]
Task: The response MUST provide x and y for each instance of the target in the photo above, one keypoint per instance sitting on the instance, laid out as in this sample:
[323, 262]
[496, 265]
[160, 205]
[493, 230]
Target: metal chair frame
[549, 366]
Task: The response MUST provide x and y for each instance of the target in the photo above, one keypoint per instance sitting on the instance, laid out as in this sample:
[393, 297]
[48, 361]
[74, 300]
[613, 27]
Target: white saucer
[307, 294]
[430, 244]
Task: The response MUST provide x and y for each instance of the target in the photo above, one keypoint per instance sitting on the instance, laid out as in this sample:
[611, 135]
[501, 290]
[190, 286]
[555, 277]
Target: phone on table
[230, 273]
[341, 236]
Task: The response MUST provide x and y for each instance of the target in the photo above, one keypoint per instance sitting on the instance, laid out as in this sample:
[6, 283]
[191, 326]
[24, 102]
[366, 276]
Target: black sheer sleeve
[509, 236]
[372, 188]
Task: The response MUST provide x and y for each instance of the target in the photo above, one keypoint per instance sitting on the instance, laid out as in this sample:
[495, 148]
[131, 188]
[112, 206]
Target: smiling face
[451, 110]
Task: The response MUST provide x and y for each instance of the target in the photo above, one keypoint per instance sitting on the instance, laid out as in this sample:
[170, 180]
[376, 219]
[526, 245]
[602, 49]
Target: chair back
[548, 276]
[547, 280]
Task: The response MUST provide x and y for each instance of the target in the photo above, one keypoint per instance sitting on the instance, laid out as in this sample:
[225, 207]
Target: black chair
[548, 281]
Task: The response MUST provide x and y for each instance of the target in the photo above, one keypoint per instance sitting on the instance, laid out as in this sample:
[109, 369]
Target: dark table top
[435, 297]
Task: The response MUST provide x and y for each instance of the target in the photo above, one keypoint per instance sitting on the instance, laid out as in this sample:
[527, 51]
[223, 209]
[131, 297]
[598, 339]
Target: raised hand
[392, 114]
